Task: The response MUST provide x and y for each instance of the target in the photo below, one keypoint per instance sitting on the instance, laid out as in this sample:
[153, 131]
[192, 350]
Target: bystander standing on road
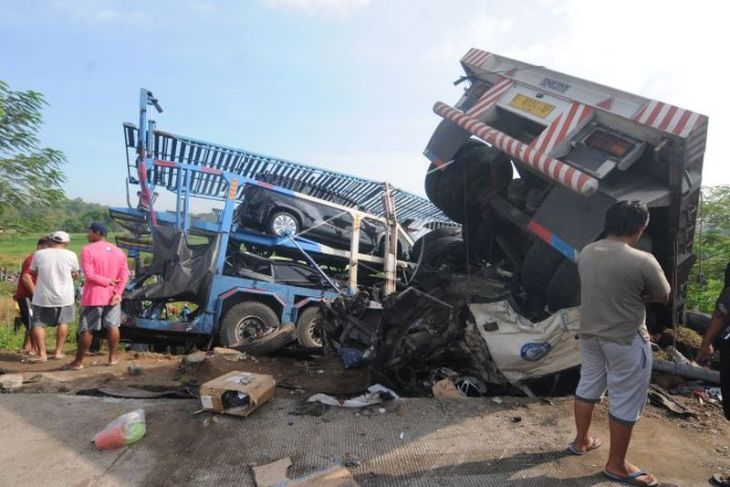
[53, 299]
[24, 294]
[616, 282]
[719, 328]
[105, 275]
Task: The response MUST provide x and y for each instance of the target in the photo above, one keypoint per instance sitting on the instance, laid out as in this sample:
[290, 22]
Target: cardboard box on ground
[237, 393]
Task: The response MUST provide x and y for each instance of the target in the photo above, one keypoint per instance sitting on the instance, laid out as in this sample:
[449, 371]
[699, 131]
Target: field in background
[14, 248]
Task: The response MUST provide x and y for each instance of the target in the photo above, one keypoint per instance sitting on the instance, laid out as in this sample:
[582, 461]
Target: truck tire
[309, 334]
[436, 249]
[279, 339]
[538, 268]
[433, 243]
[477, 168]
[563, 290]
[253, 327]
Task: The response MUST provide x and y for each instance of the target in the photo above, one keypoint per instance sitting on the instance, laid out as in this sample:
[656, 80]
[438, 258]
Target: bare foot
[38, 360]
[58, 356]
[72, 366]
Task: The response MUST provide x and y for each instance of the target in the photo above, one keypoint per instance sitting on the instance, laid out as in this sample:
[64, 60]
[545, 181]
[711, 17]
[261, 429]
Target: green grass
[10, 340]
[14, 248]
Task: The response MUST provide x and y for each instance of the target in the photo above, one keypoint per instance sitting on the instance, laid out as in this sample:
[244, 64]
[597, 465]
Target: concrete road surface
[419, 442]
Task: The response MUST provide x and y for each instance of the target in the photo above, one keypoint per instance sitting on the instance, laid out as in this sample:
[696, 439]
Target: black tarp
[184, 271]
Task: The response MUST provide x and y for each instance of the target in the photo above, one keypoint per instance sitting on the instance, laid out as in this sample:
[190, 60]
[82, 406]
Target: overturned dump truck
[527, 161]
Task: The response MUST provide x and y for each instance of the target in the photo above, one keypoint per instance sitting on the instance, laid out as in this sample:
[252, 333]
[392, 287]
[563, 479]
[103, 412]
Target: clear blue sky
[347, 85]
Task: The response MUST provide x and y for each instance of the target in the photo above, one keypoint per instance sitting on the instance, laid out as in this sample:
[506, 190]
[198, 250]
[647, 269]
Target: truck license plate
[530, 105]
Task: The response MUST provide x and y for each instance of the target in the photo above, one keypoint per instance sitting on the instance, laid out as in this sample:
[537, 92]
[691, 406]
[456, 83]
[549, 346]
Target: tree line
[69, 215]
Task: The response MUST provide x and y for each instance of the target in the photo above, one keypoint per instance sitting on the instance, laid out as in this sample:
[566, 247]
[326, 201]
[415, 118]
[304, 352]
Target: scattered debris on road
[375, 395]
[275, 475]
[125, 430]
[237, 393]
[134, 369]
[10, 382]
[272, 474]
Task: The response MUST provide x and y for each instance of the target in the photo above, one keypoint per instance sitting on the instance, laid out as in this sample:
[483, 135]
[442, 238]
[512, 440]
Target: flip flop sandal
[596, 443]
[33, 361]
[72, 367]
[632, 479]
[721, 479]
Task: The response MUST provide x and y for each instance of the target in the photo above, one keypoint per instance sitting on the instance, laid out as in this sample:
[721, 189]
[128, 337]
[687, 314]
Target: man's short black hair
[626, 218]
[43, 241]
[99, 228]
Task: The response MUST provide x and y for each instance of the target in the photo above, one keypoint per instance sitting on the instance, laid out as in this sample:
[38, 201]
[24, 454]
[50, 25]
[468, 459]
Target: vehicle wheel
[282, 337]
[477, 169]
[440, 247]
[283, 223]
[309, 333]
[429, 242]
[563, 290]
[253, 327]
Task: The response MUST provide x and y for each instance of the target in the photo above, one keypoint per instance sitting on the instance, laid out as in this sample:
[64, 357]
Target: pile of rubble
[464, 328]
[470, 330]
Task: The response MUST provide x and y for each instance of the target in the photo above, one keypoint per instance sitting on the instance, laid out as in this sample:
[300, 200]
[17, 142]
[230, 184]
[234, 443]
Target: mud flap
[445, 141]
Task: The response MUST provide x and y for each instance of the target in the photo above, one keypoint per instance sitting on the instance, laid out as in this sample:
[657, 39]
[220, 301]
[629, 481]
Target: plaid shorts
[94, 317]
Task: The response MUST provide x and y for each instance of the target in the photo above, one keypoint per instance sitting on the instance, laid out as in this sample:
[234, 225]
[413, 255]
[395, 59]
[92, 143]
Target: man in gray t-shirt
[617, 280]
[53, 298]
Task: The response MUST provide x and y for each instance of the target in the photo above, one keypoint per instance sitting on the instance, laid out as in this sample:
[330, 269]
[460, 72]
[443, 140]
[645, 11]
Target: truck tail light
[609, 142]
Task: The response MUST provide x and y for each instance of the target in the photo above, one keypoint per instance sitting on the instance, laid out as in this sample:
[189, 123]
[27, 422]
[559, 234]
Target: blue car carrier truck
[204, 285]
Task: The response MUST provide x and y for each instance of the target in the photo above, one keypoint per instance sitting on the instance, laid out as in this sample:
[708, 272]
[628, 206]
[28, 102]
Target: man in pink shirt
[105, 275]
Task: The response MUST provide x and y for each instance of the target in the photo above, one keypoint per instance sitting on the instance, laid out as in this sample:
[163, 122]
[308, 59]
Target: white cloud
[482, 30]
[326, 8]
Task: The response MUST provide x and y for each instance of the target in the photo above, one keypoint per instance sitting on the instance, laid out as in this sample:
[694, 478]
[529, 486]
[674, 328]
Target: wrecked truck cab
[575, 147]
[528, 161]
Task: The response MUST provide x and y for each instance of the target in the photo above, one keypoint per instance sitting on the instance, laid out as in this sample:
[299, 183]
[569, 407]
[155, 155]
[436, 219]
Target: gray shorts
[52, 315]
[94, 317]
[624, 369]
